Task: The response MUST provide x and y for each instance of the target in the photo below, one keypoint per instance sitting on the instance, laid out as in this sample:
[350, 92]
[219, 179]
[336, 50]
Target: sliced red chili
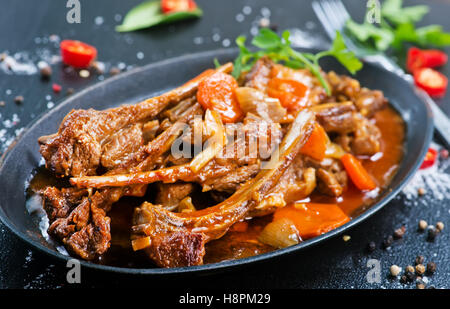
[172, 6]
[77, 54]
[425, 58]
[430, 158]
[433, 82]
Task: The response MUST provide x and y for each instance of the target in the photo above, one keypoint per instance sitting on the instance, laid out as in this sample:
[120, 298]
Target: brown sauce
[236, 245]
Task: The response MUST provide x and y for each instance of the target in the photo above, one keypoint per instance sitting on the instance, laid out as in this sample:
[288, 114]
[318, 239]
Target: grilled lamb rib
[76, 149]
[178, 239]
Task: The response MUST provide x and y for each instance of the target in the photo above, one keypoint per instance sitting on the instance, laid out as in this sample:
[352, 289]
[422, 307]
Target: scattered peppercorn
[2, 103]
[420, 259]
[46, 72]
[431, 268]
[421, 191]
[420, 285]
[420, 269]
[422, 225]
[395, 270]
[371, 246]
[410, 276]
[440, 226]
[398, 233]
[2, 57]
[388, 242]
[19, 99]
[346, 237]
[403, 279]
[444, 153]
[432, 233]
[409, 269]
[56, 88]
[114, 71]
[70, 91]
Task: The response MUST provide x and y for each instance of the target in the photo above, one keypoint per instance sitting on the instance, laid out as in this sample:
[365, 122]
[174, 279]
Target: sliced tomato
[433, 82]
[425, 58]
[430, 158]
[292, 94]
[313, 219]
[216, 92]
[172, 6]
[77, 54]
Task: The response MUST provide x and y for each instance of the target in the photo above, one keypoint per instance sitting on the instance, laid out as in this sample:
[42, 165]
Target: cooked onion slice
[256, 102]
[215, 143]
[280, 233]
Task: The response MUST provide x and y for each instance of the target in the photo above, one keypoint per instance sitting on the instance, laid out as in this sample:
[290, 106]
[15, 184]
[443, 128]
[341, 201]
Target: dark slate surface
[25, 28]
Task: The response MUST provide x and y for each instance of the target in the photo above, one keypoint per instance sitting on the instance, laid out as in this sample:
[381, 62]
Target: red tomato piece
[433, 82]
[430, 158]
[172, 6]
[292, 94]
[216, 92]
[77, 54]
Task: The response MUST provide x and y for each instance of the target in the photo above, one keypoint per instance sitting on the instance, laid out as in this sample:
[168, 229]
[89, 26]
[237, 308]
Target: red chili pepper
[430, 158]
[56, 88]
[172, 6]
[77, 54]
[433, 82]
[425, 58]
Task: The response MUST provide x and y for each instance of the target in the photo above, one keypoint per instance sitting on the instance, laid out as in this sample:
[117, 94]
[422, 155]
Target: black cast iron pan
[20, 160]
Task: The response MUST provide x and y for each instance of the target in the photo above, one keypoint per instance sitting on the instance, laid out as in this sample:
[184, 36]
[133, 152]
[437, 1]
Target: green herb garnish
[398, 27]
[279, 49]
[148, 14]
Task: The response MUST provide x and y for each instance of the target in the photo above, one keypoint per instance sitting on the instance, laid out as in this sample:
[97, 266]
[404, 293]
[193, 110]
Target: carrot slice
[316, 145]
[292, 94]
[358, 174]
[216, 92]
[313, 219]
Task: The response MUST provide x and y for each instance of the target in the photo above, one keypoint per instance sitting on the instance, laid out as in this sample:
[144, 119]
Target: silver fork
[333, 16]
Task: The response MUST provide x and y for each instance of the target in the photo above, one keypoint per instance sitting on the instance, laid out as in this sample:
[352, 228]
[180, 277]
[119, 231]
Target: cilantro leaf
[433, 35]
[278, 49]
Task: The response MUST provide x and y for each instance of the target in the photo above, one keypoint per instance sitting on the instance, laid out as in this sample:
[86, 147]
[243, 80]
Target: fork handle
[441, 120]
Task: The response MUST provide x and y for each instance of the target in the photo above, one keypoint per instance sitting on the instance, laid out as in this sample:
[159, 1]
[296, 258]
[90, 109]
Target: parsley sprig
[279, 49]
[397, 26]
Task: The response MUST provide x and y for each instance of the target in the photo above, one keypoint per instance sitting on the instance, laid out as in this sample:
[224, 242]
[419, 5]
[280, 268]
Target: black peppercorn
[19, 99]
[398, 233]
[371, 246]
[432, 233]
[420, 259]
[431, 268]
[403, 279]
[388, 242]
[410, 276]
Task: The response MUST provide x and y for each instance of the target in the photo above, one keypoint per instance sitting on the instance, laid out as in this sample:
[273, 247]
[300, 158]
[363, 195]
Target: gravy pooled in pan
[218, 168]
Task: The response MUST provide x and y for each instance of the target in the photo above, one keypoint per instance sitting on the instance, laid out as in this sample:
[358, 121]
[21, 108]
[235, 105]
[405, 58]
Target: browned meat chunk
[120, 144]
[366, 137]
[336, 117]
[346, 88]
[259, 75]
[170, 194]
